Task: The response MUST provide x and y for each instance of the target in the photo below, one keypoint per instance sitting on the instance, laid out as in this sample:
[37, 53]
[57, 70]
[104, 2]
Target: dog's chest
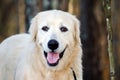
[59, 76]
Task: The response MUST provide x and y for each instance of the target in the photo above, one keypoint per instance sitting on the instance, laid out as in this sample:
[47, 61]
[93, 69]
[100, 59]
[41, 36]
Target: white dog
[52, 50]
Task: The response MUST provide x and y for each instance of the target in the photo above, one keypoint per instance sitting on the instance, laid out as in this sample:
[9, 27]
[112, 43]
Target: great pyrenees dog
[51, 50]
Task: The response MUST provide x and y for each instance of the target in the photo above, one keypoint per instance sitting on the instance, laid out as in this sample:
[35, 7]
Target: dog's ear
[77, 30]
[33, 28]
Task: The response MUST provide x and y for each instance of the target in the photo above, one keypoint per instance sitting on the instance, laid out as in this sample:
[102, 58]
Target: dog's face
[56, 34]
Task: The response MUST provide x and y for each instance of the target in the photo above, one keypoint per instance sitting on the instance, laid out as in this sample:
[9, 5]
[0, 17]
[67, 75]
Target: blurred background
[15, 17]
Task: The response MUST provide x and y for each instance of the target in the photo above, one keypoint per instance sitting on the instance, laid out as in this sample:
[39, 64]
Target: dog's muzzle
[52, 56]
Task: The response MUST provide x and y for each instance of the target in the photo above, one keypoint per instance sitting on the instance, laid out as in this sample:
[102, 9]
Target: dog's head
[57, 35]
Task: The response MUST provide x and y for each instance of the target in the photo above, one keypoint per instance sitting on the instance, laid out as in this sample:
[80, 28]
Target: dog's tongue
[52, 57]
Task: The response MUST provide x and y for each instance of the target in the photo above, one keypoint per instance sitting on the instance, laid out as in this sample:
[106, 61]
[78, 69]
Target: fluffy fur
[22, 56]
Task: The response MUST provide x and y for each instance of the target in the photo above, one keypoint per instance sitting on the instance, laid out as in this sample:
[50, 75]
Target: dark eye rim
[63, 29]
[45, 28]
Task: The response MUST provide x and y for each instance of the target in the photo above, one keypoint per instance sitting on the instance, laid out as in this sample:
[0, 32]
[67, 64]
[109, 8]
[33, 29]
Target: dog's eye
[63, 29]
[45, 28]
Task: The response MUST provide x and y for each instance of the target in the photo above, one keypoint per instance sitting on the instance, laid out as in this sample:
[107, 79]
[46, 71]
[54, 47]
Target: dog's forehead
[55, 18]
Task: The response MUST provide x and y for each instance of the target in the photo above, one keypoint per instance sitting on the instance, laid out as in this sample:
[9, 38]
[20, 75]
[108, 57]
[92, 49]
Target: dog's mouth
[53, 57]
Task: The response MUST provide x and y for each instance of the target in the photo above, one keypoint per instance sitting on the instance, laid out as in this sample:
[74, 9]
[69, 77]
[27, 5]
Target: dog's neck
[48, 74]
[67, 74]
[45, 73]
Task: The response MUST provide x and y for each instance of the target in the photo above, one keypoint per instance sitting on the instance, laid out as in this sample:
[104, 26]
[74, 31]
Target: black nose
[53, 44]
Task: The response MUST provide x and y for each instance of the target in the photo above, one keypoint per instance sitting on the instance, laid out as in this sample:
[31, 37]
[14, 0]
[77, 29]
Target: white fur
[22, 56]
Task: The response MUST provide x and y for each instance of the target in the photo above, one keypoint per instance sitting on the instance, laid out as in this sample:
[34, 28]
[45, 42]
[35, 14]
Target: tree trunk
[94, 40]
[8, 18]
[73, 7]
[116, 35]
[21, 16]
[64, 5]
